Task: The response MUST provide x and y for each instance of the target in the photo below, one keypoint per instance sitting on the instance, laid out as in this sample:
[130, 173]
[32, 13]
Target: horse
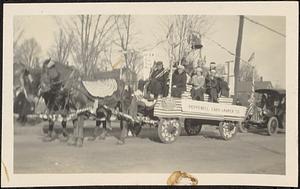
[25, 85]
[72, 95]
[67, 95]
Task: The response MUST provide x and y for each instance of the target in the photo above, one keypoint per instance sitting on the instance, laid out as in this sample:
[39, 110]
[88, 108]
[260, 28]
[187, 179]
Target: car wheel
[272, 126]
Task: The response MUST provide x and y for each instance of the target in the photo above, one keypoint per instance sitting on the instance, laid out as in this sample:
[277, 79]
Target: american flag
[250, 110]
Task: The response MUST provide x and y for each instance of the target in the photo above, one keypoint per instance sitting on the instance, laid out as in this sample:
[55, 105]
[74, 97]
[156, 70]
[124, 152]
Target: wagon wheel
[227, 130]
[272, 126]
[243, 127]
[168, 130]
[135, 129]
[192, 127]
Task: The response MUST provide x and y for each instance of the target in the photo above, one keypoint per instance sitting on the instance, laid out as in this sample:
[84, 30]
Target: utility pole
[238, 53]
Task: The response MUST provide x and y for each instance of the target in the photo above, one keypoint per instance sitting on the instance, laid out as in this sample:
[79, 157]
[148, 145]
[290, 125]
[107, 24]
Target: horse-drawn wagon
[171, 114]
[191, 114]
[168, 114]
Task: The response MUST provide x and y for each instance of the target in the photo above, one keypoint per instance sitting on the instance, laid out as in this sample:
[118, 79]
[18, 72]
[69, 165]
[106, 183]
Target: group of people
[201, 83]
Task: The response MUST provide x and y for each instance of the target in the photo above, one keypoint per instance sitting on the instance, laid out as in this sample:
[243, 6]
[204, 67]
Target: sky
[269, 47]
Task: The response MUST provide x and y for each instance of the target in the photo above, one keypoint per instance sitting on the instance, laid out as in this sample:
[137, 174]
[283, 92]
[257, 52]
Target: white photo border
[287, 9]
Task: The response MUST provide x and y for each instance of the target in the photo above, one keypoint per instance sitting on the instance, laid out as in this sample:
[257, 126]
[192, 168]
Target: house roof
[246, 86]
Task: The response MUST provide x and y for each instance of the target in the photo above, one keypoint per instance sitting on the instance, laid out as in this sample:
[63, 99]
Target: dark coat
[124, 96]
[157, 85]
[211, 83]
[54, 77]
[224, 88]
[179, 80]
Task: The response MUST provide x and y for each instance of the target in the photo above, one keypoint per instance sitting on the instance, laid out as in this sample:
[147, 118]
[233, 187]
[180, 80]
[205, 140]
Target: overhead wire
[264, 26]
[250, 20]
[224, 48]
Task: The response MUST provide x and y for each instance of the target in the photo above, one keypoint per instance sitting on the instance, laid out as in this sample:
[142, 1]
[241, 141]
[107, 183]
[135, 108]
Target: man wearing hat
[158, 80]
[198, 82]
[179, 80]
[52, 78]
[212, 66]
[54, 75]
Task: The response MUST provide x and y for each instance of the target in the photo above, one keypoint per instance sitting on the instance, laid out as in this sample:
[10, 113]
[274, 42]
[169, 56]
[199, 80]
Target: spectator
[224, 87]
[212, 85]
[198, 82]
[158, 80]
[179, 80]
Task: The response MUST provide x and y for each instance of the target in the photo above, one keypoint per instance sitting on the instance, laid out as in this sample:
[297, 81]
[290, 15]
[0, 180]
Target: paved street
[252, 152]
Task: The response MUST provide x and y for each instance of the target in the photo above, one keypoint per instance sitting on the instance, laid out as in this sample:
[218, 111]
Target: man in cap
[198, 82]
[158, 80]
[179, 80]
[125, 106]
[54, 76]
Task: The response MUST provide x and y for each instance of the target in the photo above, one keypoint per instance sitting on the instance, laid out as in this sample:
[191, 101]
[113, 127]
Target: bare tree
[107, 55]
[63, 46]
[125, 39]
[91, 35]
[18, 34]
[28, 52]
[17, 37]
[183, 27]
[246, 73]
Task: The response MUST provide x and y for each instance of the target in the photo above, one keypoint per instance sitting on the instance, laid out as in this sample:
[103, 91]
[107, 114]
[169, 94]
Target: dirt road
[207, 153]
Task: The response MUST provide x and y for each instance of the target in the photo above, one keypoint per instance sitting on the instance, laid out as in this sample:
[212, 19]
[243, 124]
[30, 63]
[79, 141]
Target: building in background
[244, 89]
[148, 59]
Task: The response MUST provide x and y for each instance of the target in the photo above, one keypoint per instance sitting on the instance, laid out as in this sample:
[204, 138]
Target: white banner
[214, 109]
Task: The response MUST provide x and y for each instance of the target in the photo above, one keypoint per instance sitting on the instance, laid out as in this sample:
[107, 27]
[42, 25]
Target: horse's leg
[96, 130]
[106, 125]
[124, 132]
[73, 139]
[23, 109]
[77, 138]
[108, 121]
[51, 134]
[80, 125]
[64, 130]
[104, 132]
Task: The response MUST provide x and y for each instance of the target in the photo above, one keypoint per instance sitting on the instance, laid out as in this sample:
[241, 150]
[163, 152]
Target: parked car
[267, 112]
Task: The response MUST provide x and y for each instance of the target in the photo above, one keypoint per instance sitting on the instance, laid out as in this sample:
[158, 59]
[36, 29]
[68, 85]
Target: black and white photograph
[176, 94]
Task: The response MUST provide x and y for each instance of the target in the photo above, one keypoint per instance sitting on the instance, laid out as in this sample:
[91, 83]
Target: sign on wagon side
[216, 109]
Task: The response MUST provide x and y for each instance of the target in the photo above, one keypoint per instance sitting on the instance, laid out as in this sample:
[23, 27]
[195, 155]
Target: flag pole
[171, 59]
